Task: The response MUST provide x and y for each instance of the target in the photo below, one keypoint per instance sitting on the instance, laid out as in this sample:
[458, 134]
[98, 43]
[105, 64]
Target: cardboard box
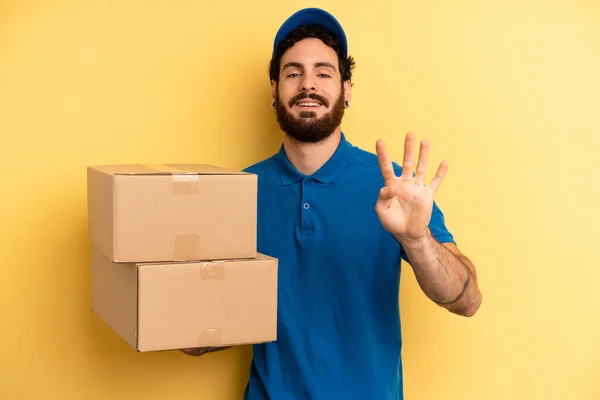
[175, 212]
[171, 306]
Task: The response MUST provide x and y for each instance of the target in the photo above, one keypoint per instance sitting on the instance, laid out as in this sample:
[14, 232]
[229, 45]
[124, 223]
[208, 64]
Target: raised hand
[405, 204]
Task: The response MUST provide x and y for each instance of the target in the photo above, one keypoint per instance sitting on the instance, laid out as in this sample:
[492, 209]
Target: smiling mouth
[308, 104]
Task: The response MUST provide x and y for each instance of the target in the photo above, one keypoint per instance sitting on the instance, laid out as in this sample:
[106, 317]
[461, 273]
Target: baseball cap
[309, 16]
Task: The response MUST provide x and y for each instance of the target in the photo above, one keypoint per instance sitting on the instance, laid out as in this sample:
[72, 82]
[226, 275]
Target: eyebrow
[317, 65]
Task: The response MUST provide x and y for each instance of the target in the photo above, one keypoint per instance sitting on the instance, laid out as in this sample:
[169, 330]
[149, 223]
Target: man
[340, 220]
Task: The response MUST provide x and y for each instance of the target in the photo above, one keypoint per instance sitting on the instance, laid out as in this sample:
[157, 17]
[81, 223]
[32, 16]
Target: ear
[347, 90]
[273, 90]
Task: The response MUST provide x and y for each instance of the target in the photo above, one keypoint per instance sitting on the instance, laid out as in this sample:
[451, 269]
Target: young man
[340, 219]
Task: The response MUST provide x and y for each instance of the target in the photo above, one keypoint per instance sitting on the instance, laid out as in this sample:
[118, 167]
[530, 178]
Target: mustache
[313, 96]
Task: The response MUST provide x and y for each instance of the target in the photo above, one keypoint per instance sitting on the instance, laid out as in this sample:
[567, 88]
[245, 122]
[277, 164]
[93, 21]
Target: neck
[307, 158]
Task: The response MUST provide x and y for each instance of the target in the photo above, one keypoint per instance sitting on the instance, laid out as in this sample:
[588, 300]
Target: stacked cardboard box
[174, 263]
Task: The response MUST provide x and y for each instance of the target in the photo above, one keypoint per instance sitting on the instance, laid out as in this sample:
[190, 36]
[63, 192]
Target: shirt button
[307, 183]
[306, 206]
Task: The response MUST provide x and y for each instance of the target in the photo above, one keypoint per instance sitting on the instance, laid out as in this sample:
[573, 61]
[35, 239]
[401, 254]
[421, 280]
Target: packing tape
[213, 271]
[187, 247]
[211, 337]
[184, 182]
[164, 168]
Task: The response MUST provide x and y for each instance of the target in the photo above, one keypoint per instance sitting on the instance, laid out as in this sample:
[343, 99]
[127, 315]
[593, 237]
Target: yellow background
[507, 91]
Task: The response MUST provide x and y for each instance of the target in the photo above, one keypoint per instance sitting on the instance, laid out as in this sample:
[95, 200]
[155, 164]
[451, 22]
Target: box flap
[257, 257]
[166, 169]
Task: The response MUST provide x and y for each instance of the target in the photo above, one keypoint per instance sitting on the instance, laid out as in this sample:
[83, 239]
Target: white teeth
[308, 104]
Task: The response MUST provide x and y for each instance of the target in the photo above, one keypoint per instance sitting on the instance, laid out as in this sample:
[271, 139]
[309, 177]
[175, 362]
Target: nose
[308, 84]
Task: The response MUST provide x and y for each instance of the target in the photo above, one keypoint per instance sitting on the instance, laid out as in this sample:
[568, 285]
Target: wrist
[414, 243]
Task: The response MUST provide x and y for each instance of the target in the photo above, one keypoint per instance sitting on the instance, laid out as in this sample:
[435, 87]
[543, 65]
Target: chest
[327, 231]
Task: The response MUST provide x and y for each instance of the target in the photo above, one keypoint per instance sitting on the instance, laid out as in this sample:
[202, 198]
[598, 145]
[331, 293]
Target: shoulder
[260, 167]
[267, 171]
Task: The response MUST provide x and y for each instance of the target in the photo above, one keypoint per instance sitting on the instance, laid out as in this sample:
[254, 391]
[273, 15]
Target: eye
[324, 76]
[293, 75]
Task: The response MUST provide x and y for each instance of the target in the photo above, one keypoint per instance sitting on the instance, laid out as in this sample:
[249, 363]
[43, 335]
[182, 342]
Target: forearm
[446, 278]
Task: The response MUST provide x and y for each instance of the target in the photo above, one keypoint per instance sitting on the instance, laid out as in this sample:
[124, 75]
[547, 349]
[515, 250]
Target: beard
[307, 128]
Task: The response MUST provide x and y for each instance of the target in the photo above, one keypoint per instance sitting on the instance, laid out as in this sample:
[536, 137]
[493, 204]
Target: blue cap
[309, 16]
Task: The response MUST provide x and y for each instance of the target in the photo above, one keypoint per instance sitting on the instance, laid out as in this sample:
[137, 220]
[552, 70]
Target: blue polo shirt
[339, 272]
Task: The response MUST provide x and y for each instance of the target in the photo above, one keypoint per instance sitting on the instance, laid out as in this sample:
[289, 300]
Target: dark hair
[346, 65]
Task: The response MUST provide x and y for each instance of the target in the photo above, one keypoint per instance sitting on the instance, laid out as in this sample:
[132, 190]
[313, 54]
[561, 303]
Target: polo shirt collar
[328, 173]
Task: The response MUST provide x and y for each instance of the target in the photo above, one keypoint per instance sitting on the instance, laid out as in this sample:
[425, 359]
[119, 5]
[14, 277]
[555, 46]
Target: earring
[273, 104]
[347, 103]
